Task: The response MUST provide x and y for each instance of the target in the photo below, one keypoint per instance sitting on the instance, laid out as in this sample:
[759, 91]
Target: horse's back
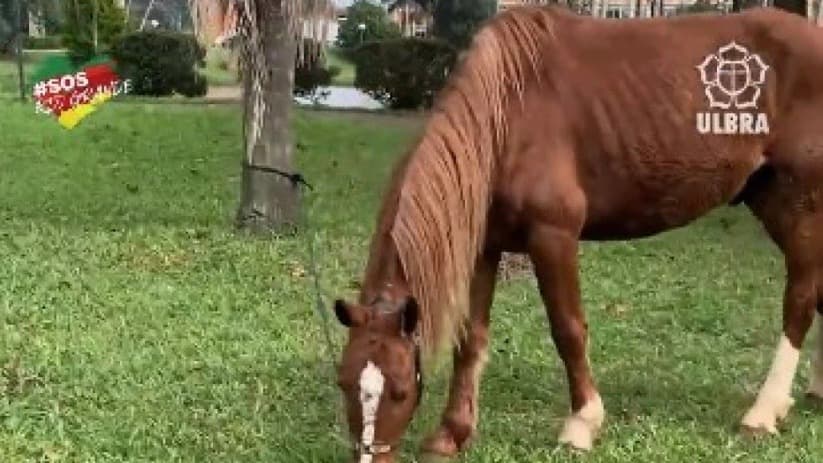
[624, 97]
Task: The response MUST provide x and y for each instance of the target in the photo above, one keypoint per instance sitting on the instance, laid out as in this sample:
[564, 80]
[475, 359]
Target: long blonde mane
[436, 210]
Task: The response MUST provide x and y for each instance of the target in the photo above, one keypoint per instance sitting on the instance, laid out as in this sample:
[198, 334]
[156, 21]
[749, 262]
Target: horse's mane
[434, 214]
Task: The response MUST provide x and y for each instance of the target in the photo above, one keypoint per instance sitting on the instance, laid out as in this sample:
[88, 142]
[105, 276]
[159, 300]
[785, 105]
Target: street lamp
[362, 28]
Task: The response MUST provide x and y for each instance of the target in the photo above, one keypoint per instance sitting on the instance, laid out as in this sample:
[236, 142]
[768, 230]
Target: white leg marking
[816, 374]
[371, 388]
[580, 429]
[774, 400]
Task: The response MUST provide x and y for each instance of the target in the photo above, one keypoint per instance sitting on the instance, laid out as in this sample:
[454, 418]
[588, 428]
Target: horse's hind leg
[459, 419]
[791, 209]
[553, 251]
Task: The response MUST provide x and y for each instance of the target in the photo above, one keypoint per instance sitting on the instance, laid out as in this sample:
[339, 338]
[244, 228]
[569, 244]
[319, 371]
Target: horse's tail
[443, 203]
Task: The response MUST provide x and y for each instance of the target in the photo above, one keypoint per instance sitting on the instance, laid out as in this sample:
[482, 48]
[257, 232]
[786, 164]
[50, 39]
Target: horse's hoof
[577, 434]
[440, 446]
[581, 429]
[758, 431]
[763, 417]
[759, 423]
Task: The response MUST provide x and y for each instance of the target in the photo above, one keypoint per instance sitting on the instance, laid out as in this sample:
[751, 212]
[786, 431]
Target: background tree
[700, 6]
[47, 12]
[269, 201]
[794, 6]
[7, 27]
[91, 26]
[378, 25]
[456, 21]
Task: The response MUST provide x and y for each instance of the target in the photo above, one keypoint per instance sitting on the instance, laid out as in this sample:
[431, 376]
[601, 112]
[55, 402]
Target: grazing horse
[556, 128]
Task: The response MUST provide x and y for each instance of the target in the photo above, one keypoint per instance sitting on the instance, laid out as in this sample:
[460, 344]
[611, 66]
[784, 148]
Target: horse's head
[379, 374]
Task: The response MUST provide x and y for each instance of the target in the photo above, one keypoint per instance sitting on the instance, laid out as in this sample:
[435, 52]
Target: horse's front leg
[459, 420]
[554, 253]
[774, 399]
[789, 210]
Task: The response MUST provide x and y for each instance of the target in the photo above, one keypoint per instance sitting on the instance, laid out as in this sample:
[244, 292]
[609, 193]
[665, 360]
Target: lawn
[136, 326]
[337, 57]
[217, 70]
[9, 81]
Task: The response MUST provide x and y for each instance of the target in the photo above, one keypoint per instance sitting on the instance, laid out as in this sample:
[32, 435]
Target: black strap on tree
[296, 178]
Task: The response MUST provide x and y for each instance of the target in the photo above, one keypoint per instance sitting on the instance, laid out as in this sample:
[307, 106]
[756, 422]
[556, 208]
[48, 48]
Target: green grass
[336, 57]
[136, 326]
[217, 70]
[9, 80]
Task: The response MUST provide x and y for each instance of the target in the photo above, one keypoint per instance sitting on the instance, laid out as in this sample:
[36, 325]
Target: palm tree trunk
[269, 201]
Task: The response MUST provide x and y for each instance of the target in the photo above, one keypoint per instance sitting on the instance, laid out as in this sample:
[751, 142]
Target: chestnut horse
[556, 128]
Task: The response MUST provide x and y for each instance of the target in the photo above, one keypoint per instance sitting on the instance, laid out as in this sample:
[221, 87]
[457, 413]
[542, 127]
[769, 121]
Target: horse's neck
[384, 273]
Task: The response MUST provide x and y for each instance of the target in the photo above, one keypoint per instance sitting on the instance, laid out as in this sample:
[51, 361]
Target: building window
[614, 12]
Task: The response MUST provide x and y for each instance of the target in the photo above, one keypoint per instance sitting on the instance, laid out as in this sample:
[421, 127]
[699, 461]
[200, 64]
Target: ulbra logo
[733, 78]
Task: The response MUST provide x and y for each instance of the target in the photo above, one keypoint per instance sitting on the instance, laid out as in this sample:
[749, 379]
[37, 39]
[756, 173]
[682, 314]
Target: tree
[456, 20]
[268, 29]
[46, 11]
[90, 26]
[740, 5]
[794, 6]
[377, 24]
[700, 6]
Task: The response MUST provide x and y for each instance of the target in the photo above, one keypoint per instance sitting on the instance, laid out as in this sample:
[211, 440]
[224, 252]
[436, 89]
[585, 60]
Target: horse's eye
[399, 394]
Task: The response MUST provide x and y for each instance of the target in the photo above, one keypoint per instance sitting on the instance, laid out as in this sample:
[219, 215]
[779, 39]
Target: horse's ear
[409, 315]
[347, 314]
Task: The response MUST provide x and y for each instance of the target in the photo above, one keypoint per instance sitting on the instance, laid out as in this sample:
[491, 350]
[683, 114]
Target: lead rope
[319, 305]
[321, 309]
[299, 181]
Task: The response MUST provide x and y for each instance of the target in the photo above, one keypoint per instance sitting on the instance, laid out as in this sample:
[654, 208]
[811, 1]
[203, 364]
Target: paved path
[224, 93]
[339, 97]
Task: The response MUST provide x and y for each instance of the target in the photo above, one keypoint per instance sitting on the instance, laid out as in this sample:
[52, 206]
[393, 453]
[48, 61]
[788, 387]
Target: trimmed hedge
[403, 73]
[311, 72]
[160, 63]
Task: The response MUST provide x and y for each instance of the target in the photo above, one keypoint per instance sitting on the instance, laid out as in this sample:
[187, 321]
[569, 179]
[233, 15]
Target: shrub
[312, 72]
[374, 17]
[456, 21]
[160, 63]
[404, 73]
[44, 43]
[80, 27]
[700, 6]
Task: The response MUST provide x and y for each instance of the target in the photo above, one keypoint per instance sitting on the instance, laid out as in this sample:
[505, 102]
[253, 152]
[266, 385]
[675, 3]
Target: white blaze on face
[371, 389]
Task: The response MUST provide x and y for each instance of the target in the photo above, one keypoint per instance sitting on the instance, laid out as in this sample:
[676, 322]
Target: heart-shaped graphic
[71, 93]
